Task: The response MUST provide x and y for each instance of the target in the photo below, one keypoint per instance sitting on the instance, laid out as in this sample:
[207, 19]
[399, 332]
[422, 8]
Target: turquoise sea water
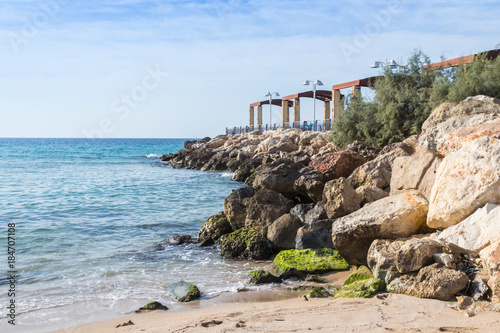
[87, 214]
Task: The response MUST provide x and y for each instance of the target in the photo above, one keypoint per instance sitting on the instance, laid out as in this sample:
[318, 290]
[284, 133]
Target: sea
[83, 218]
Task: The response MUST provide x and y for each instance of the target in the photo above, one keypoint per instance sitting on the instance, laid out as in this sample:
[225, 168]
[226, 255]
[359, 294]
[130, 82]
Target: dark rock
[397, 145]
[243, 172]
[301, 211]
[235, 206]
[338, 164]
[178, 240]
[264, 208]
[245, 243]
[280, 177]
[365, 150]
[213, 229]
[317, 213]
[128, 323]
[151, 307]
[263, 277]
[233, 165]
[310, 183]
[281, 233]
[316, 235]
[184, 292]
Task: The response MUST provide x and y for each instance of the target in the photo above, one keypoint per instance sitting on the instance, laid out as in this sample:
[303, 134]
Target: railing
[318, 126]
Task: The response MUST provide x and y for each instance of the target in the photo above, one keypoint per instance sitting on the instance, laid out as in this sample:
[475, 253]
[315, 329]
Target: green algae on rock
[151, 306]
[309, 261]
[318, 292]
[362, 273]
[216, 226]
[315, 278]
[361, 289]
[262, 277]
[184, 292]
[245, 243]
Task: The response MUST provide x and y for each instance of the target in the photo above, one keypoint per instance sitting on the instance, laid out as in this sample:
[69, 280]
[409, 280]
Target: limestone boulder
[235, 206]
[337, 164]
[466, 180]
[398, 216]
[377, 172]
[415, 172]
[370, 194]
[450, 117]
[494, 284]
[381, 259]
[281, 234]
[216, 226]
[340, 198]
[490, 257]
[416, 253]
[310, 184]
[279, 177]
[217, 142]
[264, 208]
[317, 235]
[434, 281]
[475, 232]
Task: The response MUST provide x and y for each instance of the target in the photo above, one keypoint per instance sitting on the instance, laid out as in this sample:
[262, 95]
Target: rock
[213, 229]
[128, 323]
[455, 140]
[310, 184]
[395, 146]
[365, 150]
[235, 206]
[243, 172]
[301, 211]
[416, 253]
[393, 217]
[151, 306]
[415, 172]
[316, 214]
[370, 194]
[245, 243]
[450, 117]
[434, 281]
[494, 284]
[281, 233]
[377, 172]
[466, 180]
[184, 292]
[478, 288]
[217, 142]
[490, 257]
[463, 302]
[362, 273]
[303, 262]
[445, 259]
[318, 292]
[361, 289]
[316, 235]
[338, 164]
[264, 208]
[263, 277]
[340, 198]
[315, 278]
[381, 258]
[475, 232]
[178, 240]
[279, 178]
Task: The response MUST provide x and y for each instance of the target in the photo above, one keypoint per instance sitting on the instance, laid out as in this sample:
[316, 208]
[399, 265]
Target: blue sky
[133, 68]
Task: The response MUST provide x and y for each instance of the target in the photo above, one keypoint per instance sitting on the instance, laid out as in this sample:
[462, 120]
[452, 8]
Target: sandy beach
[383, 313]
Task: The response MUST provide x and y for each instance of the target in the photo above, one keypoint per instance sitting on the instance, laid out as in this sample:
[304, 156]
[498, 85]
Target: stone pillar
[296, 110]
[356, 91]
[337, 107]
[327, 113]
[251, 114]
[285, 113]
[259, 115]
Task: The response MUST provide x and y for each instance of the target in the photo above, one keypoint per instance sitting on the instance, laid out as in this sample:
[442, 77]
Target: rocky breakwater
[422, 214]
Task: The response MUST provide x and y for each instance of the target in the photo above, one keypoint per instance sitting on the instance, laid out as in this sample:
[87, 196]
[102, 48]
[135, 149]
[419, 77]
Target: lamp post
[270, 95]
[391, 64]
[315, 83]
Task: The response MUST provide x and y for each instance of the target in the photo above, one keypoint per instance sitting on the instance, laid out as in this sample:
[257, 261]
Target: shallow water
[88, 213]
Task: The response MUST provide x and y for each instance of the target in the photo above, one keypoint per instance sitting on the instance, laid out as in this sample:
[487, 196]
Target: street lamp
[391, 64]
[315, 83]
[270, 95]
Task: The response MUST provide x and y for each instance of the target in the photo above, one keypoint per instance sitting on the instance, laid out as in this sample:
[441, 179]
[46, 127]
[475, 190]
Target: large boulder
[263, 277]
[264, 208]
[416, 253]
[301, 211]
[279, 178]
[450, 117]
[216, 226]
[466, 180]
[235, 206]
[475, 232]
[370, 194]
[281, 233]
[434, 281]
[340, 198]
[316, 235]
[490, 257]
[398, 216]
[318, 212]
[378, 172]
[310, 184]
[338, 164]
[245, 243]
[415, 172]
[381, 259]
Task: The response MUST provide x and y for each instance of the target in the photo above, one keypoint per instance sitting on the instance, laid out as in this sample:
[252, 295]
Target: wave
[152, 156]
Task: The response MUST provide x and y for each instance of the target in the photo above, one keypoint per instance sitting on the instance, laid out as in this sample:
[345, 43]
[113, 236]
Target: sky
[188, 69]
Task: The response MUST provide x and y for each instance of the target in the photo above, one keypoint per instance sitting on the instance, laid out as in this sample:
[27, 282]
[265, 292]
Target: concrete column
[285, 113]
[327, 113]
[337, 107]
[251, 114]
[296, 109]
[356, 91]
[259, 115]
